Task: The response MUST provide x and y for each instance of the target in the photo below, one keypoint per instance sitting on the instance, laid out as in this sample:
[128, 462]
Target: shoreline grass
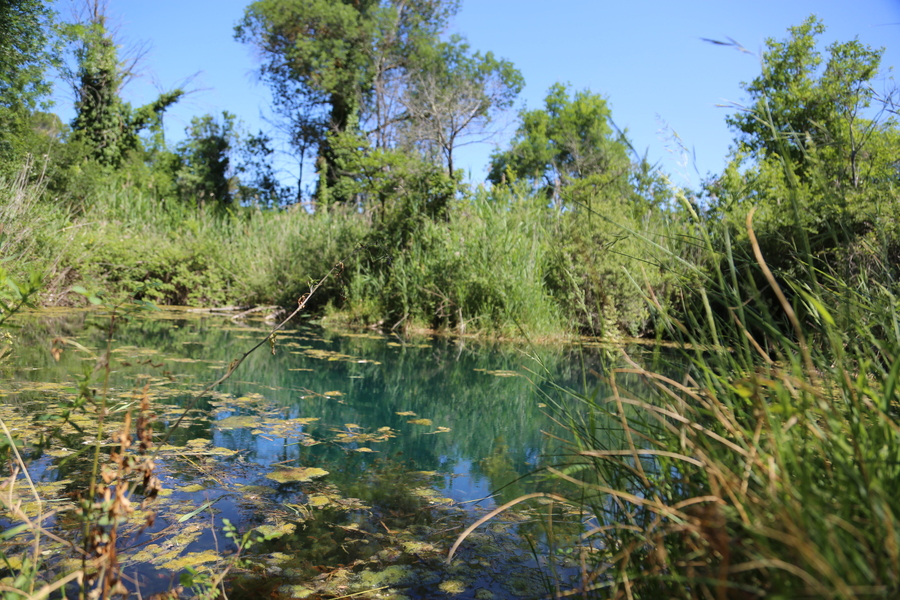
[493, 267]
[765, 460]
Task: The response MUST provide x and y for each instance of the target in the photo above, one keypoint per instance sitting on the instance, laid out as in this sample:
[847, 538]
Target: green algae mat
[329, 465]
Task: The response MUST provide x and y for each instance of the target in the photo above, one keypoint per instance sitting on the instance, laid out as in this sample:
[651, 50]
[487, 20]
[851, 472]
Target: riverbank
[494, 266]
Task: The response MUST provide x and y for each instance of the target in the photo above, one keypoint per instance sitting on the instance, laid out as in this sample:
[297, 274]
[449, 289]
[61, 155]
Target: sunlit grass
[762, 461]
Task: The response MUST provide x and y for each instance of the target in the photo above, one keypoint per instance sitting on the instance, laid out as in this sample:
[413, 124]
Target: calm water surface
[409, 442]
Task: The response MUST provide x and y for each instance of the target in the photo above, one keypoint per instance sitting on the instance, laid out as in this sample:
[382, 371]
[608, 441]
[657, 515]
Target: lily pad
[237, 422]
[452, 586]
[295, 591]
[296, 474]
[196, 487]
[271, 532]
[318, 500]
[191, 560]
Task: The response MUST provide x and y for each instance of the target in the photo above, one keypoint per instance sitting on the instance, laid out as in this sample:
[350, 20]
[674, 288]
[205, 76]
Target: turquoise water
[410, 441]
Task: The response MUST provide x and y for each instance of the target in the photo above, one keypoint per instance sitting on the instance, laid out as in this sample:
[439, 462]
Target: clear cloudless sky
[646, 57]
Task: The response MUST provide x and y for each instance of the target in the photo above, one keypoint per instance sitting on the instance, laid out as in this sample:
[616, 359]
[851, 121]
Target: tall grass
[31, 234]
[761, 458]
[279, 253]
[498, 261]
[483, 269]
[207, 255]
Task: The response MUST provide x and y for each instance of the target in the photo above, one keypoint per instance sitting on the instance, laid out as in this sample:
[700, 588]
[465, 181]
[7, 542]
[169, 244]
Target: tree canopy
[454, 95]
[26, 52]
[333, 65]
[571, 140]
[377, 68]
[816, 150]
[803, 103]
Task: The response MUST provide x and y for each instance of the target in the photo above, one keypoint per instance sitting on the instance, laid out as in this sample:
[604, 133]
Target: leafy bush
[186, 270]
[603, 264]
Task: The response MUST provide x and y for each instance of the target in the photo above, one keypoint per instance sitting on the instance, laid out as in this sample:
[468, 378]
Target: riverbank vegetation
[572, 233]
[761, 462]
[104, 202]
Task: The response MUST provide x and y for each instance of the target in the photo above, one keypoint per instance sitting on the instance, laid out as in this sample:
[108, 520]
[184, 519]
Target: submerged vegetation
[752, 451]
[329, 506]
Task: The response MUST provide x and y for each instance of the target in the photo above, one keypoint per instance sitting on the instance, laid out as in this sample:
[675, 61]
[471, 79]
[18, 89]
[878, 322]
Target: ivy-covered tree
[107, 124]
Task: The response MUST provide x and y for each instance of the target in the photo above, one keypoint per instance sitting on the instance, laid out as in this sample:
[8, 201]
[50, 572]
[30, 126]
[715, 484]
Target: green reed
[761, 456]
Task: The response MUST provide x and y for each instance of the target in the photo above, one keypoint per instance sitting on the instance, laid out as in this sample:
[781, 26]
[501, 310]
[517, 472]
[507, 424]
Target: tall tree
[451, 100]
[571, 141]
[339, 65]
[25, 54]
[406, 33]
[317, 51]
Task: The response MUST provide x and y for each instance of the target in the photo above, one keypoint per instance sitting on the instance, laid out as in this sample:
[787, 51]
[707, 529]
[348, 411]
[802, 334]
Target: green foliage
[605, 263]
[609, 211]
[322, 46]
[570, 141]
[810, 107]
[152, 220]
[278, 255]
[258, 183]
[205, 173]
[814, 155]
[480, 270]
[23, 53]
[379, 178]
[15, 296]
[765, 447]
[321, 51]
[185, 270]
[341, 67]
[497, 261]
[100, 113]
[30, 241]
[26, 51]
[760, 441]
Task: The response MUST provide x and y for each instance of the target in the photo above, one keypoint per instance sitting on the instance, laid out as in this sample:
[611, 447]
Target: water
[409, 442]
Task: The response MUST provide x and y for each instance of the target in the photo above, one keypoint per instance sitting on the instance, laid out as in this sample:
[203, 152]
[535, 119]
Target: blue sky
[646, 57]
